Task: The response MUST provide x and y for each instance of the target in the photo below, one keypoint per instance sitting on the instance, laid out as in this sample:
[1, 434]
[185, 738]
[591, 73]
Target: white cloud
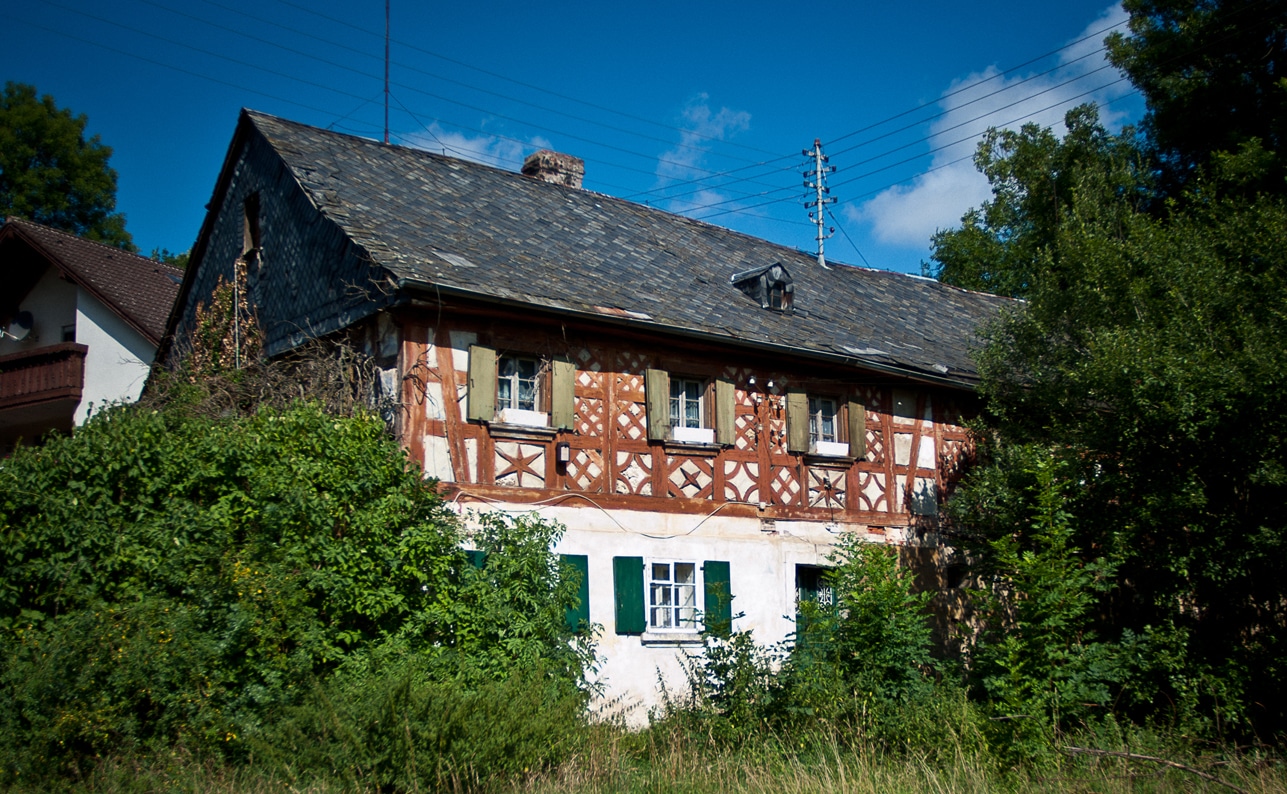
[491, 150]
[684, 162]
[907, 215]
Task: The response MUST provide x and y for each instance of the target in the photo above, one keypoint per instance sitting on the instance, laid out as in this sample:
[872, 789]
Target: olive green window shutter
[857, 429]
[657, 391]
[717, 605]
[628, 591]
[725, 427]
[578, 565]
[797, 416]
[482, 383]
[476, 558]
[562, 393]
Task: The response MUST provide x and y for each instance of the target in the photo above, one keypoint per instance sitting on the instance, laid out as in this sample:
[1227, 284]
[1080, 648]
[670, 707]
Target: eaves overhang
[411, 291]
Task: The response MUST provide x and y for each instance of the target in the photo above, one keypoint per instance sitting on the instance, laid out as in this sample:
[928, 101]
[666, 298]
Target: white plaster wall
[762, 569]
[117, 363]
[52, 303]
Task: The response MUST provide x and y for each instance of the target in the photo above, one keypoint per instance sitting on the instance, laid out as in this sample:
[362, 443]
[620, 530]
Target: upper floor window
[686, 409]
[822, 420]
[520, 390]
[825, 426]
[517, 383]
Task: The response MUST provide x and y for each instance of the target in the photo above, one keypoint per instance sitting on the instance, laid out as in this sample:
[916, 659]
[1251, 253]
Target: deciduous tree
[51, 173]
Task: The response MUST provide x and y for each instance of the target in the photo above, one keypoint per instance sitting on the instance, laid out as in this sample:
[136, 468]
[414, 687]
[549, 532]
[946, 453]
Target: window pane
[527, 394]
[661, 572]
[686, 572]
[505, 393]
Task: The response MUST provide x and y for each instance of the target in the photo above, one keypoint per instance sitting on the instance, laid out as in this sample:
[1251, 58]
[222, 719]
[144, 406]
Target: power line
[975, 84]
[326, 87]
[1002, 90]
[349, 26]
[407, 67]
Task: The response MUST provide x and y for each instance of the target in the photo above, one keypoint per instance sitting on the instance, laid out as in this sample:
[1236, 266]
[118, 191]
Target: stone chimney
[561, 169]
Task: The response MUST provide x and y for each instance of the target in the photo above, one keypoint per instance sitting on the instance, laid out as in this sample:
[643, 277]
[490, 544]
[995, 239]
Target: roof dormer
[769, 286]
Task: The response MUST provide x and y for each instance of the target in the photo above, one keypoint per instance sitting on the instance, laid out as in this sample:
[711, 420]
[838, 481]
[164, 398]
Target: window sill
[692, 435]
[671, 638]
[524, 432]
[520, 416]
[691, 448]
[829, 449]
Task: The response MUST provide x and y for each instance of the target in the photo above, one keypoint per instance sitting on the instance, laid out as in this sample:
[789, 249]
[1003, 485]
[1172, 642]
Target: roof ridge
[365, 141]
[21, 221]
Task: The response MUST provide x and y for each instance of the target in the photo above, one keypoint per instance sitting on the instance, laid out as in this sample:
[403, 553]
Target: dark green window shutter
[579, 615]
[718, 603]
[482, 383]
[476, 558]
[725, 412]
[857, 429]
[628, 589]
[562, 393]
[657, 393]
[797, 416]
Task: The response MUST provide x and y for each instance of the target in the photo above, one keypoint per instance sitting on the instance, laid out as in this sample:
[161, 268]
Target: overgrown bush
[859, 669]
[1039, 659]
[174, 580]
[417, 722]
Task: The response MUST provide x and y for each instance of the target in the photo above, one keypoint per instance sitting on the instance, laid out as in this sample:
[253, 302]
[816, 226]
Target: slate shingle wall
[311, 280]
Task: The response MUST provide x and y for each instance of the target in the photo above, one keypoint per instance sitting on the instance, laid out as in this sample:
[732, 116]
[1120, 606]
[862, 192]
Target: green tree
[1035, 178]
[51, 174]
[1148, 364]
[166, 256]
[1213, 74]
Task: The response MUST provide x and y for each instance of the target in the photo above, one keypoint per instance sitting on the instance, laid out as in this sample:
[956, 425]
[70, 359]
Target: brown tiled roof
[139, 289]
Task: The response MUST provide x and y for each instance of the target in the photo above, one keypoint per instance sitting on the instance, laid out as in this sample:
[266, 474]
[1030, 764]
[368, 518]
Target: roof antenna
[386, 72]
[818, 172]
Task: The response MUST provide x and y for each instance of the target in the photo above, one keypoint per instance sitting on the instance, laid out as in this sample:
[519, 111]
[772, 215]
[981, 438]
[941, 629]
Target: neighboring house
[81, 324]
[705, 411]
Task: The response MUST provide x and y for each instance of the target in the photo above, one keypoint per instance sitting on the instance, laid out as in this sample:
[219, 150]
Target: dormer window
[770, 286]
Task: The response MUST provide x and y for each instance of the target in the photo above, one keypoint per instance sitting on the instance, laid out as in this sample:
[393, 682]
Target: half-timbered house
[706, 412]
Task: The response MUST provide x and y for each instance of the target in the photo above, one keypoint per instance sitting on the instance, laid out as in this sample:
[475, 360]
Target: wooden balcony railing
[41, 375]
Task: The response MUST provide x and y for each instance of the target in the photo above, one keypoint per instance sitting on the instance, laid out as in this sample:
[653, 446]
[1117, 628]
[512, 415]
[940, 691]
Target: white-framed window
[672, 596]
[822, 420]
[687, 407]
[517, 383]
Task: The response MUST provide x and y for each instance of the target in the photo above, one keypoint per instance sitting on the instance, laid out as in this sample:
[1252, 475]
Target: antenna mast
[816, 179]
[386, 72]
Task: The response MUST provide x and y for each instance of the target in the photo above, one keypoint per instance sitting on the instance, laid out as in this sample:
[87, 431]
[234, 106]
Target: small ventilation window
[770, 286]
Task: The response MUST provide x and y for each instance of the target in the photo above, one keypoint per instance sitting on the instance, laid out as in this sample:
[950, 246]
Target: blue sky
[699, 108]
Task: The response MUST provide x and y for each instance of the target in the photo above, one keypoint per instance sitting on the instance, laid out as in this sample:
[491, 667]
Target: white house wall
[762, 577]
[118, 360]
[52, 303]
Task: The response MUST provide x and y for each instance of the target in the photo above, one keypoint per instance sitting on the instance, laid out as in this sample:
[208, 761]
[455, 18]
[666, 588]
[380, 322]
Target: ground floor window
[672, 595]
[811, 587]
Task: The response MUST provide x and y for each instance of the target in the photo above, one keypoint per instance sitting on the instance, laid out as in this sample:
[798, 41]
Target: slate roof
[140, 290]
[447, 224]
